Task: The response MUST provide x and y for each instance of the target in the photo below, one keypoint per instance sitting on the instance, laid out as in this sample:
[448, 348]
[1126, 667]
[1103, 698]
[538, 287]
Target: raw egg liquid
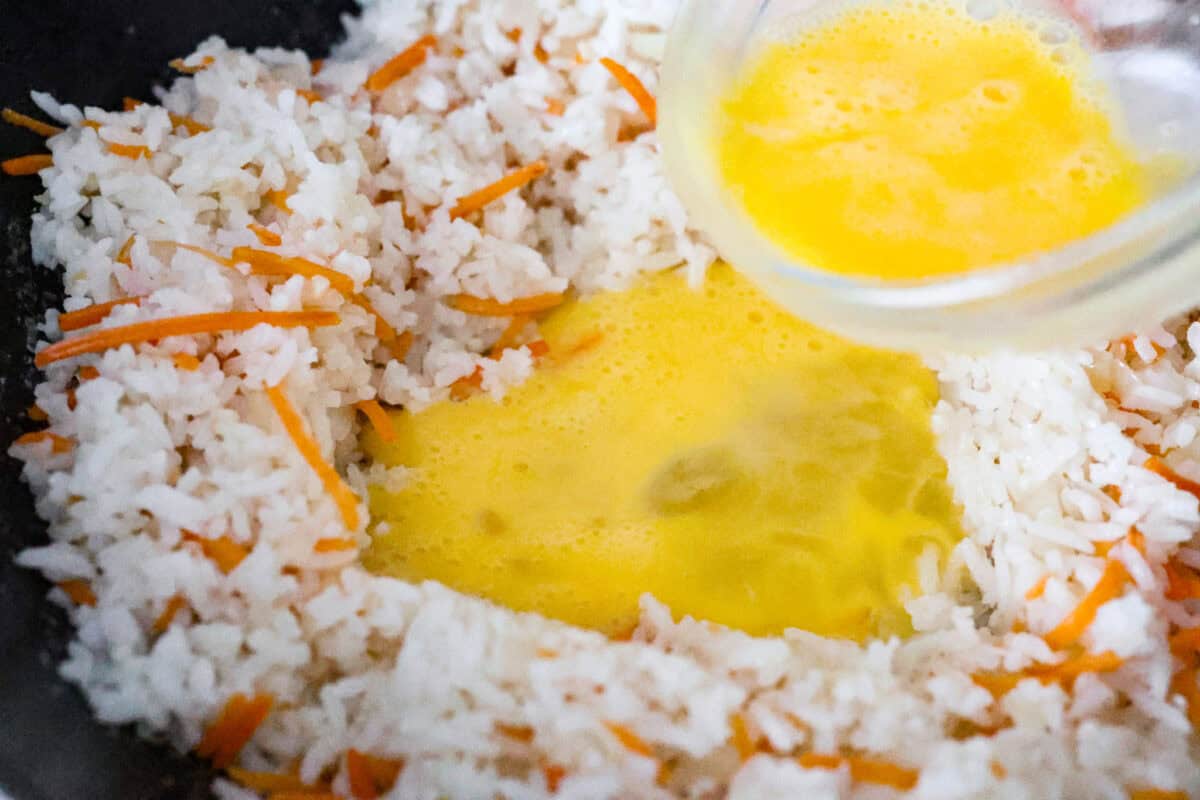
[912, 140]
[704, 446]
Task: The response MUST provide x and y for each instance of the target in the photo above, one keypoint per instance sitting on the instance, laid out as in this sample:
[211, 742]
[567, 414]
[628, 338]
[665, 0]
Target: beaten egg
[700, 445]
[912, 140]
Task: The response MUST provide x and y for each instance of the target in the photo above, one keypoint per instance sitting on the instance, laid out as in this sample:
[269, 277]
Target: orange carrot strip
[345, 498]
[334, 545]
[555, 107]
[316, 65]
[518, 733]
[1108, 587]
[27, 165]
[91, 123]
[1182, 582]
[1159, 467]
[173, 607]
[278, 198]
[36, 413]
[629, 740]
[195, 324]
[509, 336]
[311, 95]
[1157, 794]
[1184, 684]
[380, 421]
[383, 330]
[488, 307]
[90, 315]
[58, 444]
[540, 53]
[266, 236]
[234, 726]
[492, 192]
[358, 773]
[29, 123]
[554, 774]
[402, 345]
[1038, 589]
[741, 739]
[177, 120]
[1000, 683]
[1185, 641]
[864, 770]
[263, 262]
[88, 373]
[267, 782]
[538, 348]
[630, 83]
[465, 386]
[186, 361]
[401, 64]
[123, 253]
[179, 65]
[80, 592]
[222, 551]
[134, 151]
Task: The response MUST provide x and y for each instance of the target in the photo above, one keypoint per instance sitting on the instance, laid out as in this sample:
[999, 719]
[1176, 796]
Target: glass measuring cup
[1144, 267]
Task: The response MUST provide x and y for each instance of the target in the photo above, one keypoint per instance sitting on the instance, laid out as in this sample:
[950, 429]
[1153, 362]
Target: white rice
[424, 673]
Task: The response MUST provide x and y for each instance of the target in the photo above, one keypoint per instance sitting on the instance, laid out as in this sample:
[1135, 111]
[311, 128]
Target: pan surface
[85, 52]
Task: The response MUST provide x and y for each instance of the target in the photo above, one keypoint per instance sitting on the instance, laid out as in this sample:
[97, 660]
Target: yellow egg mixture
[912, 140]
[700, 445]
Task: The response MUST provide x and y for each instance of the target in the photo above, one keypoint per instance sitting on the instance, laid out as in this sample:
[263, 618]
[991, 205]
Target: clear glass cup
[1141, 269]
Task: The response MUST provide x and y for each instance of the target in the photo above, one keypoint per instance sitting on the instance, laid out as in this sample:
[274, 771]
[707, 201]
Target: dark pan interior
[89, 52]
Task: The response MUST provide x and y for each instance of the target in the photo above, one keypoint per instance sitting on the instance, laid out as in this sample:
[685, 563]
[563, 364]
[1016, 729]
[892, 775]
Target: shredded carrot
[540, 53]
[1038, 589]
[370, 776]
[1185, 641]
[71, 399]
[1182, 582]
[1157, 794]
[508, 338]
[402, 345]
[267, 782]
[1184, 684]
[1159, 467]
[630, 83]
[177, 120]
[316, 65]
[488, 307]
[334, 545]
[80, 592]
[195, 324]
[311, 95]
[29, 123]
[379, 419]
[134, 151]
[1137, 540]
[539, 348]
[864, 770]
[91, 123]
[179, 65]
[1000, 683]
[173, 607]
[36, 413]
[629, 740]
[90, 315]
[492, 192]
[266, 236]
[27, 165]
[264, 262]
[555, 107]
[58, 444]
[1113, 492]
[383, 329]
[514, 35]
[741, 739]
[518, 733]
[1108, 587]
[222, 551]
[345, 498]
[554, 774]
[88, 373]
[186, 361]
[401, 64]
[228, 733]
[123, 254]
[278, 198]
[465, 386]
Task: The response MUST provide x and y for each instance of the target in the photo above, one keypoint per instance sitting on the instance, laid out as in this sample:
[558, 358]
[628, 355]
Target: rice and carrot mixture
[260, 260]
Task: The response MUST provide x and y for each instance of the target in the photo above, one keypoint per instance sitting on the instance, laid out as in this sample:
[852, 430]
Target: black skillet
[90, 52]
